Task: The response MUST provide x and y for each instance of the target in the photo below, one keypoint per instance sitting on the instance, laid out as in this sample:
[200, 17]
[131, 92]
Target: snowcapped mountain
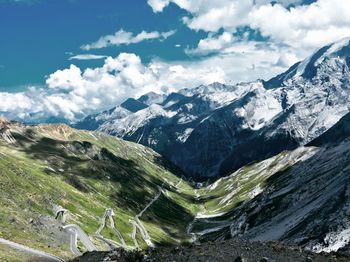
[212, 130]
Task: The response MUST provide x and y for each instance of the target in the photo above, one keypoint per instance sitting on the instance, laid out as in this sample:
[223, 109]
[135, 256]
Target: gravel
[230, 250]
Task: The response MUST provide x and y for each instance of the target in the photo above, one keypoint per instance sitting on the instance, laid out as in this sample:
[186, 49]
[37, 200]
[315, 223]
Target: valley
[92, 176]
[175, 130]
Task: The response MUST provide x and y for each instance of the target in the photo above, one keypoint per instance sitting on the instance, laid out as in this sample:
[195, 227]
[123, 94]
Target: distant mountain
[212, 130]
[93, 122]
[133, 105]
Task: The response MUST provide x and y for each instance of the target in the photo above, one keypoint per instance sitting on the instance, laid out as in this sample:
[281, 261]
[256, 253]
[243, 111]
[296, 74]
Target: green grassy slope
[247, 182]
[85, 173]
[220, 199]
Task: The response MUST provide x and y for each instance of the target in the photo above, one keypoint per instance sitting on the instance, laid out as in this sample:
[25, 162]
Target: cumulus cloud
[286, 24]
[72, 93]
[222, 43]
[126, 38]
[249, 59]
[301, 27]
[308, 26]
[202, 6]
[158, 5]
[87, 57]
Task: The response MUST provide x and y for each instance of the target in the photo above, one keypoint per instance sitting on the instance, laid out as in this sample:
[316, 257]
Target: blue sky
[37, 37]
[70, 58]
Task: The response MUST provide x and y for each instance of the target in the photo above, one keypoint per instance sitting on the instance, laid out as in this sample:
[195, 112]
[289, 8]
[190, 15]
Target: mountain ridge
[255, 120]
[86, 172]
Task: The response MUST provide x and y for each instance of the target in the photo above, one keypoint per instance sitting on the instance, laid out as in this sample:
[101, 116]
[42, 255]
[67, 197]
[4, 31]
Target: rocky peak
[328, 58]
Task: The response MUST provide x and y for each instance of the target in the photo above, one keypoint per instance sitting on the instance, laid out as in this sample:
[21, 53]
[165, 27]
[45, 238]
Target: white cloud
[214, 43]
[309, 26]
[249, 59]
[200, 7]
[87, 57]
[158, 5]
[14, 100]
[126, 38]
[286, 59]
[72, 93]
[292, 31]
[213, 15]
[301, 27]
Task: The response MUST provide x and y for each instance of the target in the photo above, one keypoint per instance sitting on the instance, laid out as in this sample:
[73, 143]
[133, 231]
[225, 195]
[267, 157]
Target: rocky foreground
[231, 250]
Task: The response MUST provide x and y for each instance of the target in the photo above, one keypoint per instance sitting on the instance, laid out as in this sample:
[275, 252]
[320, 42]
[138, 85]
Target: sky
[70, 58]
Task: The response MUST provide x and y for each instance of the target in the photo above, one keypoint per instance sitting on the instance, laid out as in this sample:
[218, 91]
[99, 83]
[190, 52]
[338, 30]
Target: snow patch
[333, 241]
[183, 137]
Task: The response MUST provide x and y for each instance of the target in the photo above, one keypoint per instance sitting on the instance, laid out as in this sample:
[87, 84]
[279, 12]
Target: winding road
[137, 224]
[76, 232]
[143, 232]
[36, 253]
[109, 212]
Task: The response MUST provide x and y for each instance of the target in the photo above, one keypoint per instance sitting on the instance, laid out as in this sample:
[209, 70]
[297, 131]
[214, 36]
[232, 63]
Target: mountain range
[210, 131]
[298, 197]
[269, 161]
